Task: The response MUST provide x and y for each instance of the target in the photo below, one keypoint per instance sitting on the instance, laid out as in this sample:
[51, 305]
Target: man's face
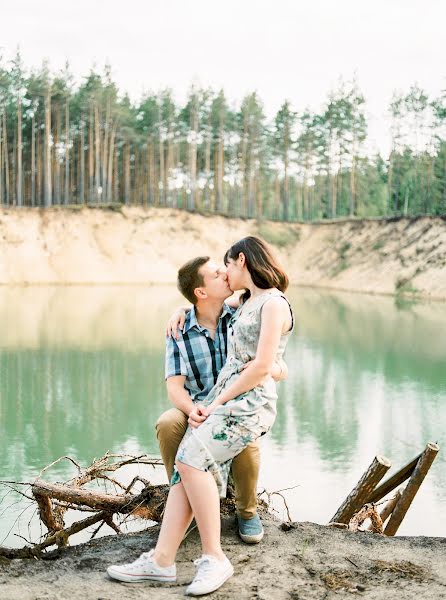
[215, 282]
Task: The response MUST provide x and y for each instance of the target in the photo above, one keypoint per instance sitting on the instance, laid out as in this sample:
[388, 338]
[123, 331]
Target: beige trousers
[170, 429]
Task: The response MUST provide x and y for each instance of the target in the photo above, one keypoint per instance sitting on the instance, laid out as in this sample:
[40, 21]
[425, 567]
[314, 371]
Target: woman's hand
[176, 322]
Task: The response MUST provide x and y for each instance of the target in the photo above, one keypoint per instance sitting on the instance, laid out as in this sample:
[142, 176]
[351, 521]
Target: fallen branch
[54, 499]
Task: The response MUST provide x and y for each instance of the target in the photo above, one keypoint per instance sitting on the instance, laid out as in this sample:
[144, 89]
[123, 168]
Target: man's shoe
[250, 530]
[211, 574]
[143, 568]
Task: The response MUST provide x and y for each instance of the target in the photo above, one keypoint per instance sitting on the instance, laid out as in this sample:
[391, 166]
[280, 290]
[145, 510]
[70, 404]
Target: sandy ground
[308, 562]
[139, 246]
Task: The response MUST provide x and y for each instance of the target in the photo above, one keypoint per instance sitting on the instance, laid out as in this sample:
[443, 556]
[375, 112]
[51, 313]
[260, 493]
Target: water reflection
[81, 372]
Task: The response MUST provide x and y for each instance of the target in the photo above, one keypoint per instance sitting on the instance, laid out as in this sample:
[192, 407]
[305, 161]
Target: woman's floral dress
[236, 424]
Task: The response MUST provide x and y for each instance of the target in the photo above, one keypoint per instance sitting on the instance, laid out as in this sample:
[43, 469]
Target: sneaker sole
[128, 578]
[251, 539]
[209, 590]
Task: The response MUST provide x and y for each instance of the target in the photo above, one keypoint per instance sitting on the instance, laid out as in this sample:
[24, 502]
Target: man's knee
[249, 459]
[170, 429]
[171, 424]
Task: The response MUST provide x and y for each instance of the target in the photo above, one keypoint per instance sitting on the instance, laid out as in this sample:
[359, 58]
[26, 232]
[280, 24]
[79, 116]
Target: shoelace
[140, 560]
[204, 568]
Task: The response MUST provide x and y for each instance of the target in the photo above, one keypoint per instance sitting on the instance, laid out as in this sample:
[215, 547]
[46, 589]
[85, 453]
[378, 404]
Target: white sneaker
[142, 569]
[211, 574]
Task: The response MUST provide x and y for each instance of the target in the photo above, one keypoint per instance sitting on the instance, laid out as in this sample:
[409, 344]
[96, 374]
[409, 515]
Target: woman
[240, 408]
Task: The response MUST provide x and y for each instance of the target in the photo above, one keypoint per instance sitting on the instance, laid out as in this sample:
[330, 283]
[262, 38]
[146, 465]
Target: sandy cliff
[140, 246]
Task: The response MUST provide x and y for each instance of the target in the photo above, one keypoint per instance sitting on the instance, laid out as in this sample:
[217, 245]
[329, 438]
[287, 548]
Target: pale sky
[284, 49]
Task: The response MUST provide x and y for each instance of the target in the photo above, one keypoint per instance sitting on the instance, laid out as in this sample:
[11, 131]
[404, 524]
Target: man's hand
[176, 322]
[197, 415]
[278, 372]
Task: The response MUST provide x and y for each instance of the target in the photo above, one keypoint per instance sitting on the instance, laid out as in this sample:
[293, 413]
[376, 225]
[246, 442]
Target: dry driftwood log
[363, 490]
[54, 499]
[416, 479]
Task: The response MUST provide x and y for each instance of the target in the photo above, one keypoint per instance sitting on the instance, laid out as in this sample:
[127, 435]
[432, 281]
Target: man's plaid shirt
[197, 356]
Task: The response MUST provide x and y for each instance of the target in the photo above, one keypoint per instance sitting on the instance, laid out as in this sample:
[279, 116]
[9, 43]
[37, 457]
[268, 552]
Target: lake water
[81, 372]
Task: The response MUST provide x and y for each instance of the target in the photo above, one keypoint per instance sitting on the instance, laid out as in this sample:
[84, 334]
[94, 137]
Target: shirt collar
[192, 321]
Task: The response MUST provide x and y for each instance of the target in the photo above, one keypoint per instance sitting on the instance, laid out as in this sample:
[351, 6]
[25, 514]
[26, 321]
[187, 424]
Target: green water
[81, 372]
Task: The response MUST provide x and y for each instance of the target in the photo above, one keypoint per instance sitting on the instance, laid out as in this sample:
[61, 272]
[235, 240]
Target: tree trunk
[286, 191]
[127, 173]
[193, 158]
[105, 151]
[161, 190]
[116, 178]
[19, 174]
[91, 156]
[151, 161]
[82, 164]
[221, 161]
[47, 167]
[352, 204]
[97, 146]
[207, 167]
[57, 194]
[1, 162]
[40, 162]
[67, 154]
[33, 161]
[276, 212]
[6, 150]
[111, 153]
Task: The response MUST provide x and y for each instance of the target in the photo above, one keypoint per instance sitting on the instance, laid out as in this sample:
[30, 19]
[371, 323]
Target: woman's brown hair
[263, 267]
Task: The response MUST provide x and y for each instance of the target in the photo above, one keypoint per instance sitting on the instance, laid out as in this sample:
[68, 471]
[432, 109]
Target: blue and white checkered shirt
[197, 356]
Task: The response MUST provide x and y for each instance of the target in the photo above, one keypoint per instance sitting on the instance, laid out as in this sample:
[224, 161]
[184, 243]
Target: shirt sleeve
[175, 364]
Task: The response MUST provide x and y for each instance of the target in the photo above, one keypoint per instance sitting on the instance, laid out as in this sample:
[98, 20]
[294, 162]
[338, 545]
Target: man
[194, 357]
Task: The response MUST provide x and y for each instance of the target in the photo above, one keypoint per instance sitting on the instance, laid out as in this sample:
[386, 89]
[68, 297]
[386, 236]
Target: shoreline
[57, 284]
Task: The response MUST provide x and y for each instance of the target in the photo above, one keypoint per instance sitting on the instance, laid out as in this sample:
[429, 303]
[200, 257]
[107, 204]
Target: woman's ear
[241, 260]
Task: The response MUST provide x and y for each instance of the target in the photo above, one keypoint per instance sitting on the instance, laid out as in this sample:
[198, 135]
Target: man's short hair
[189, 277]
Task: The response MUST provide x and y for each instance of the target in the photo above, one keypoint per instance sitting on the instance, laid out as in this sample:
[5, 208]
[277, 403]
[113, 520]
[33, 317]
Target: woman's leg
[177, 518]
[204, 500]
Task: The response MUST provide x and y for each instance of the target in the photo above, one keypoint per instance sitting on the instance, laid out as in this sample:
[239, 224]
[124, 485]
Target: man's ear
[200, 293]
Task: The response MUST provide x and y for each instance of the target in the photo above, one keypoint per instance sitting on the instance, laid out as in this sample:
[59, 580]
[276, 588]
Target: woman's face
[235, 274]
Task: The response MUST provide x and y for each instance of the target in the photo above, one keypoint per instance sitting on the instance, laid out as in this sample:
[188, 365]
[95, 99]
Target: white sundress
[239, 422]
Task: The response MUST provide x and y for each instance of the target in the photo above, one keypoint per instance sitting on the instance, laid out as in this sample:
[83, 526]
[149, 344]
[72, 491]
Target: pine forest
[90, 144]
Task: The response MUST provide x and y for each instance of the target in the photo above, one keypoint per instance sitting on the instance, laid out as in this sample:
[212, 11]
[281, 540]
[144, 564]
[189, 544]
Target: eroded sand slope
[140, 246]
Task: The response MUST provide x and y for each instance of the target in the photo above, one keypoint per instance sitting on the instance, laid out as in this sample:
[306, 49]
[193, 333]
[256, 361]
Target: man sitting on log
[196, 347]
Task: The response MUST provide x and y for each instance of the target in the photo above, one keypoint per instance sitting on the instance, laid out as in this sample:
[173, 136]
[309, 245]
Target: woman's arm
[176, 322]
[275, 320]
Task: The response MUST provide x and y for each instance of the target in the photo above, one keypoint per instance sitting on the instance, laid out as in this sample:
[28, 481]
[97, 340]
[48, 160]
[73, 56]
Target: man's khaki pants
[170, 429]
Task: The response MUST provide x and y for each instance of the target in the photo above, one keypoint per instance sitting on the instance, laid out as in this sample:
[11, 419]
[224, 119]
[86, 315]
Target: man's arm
[180, 399]
[178, 395]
